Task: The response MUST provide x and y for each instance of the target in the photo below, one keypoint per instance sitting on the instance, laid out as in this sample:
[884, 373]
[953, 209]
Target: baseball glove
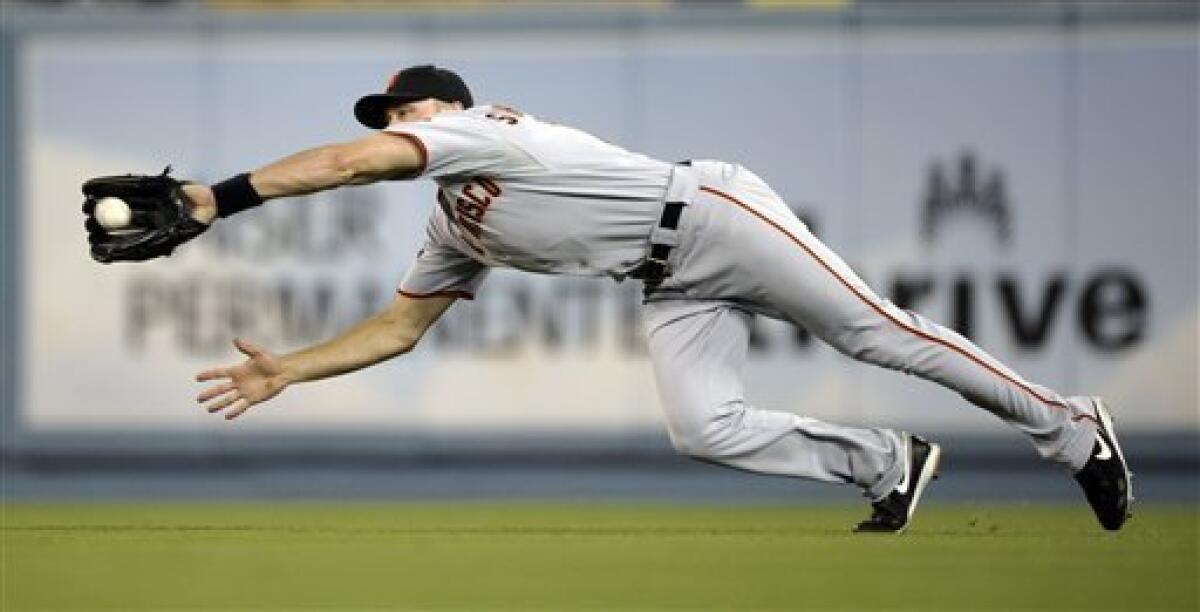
[160, 217]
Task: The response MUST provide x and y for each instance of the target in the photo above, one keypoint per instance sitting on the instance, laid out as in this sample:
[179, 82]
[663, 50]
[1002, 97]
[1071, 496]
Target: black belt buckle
[651, 270]
[654, 268]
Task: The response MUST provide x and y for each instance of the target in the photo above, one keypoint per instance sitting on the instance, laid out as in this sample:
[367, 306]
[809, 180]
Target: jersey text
[470, 207]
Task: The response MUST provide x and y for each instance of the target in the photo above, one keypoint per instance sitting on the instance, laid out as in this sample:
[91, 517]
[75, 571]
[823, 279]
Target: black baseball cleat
[893, 513]
[1105, 478]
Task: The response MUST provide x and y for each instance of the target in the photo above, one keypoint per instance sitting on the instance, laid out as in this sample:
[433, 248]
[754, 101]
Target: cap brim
[371, 110]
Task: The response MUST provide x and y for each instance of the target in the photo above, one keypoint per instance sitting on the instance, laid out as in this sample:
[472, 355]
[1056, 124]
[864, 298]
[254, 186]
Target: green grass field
[601, 557]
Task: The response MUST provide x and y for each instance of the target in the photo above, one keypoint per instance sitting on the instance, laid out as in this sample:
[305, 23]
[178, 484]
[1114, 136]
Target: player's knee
[685, 445]
[709, 437]
[687, 437]
[696, 448]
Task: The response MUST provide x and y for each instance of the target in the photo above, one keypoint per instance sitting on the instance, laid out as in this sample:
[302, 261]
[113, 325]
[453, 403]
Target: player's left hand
[202, 202]
[257, 379]
[164, 213]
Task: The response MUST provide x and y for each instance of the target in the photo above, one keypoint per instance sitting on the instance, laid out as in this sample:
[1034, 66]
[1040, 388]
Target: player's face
[420, 110]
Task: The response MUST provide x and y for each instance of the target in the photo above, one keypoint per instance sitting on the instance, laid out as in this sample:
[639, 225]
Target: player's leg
[741, 241]
[783, 267]
[698, 350]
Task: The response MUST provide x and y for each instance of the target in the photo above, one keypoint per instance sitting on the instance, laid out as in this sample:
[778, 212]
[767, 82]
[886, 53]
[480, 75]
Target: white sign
[1044, 207]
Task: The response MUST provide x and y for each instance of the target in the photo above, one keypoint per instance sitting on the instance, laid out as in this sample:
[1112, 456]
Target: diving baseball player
[714, 247]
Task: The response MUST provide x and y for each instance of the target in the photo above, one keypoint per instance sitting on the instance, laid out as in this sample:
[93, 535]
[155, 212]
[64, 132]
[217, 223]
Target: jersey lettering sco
[467, 210]
[517, 192]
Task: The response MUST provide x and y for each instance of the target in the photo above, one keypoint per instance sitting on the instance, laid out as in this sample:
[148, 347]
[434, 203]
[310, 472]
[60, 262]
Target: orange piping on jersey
[877, 308]
[421, 150]
[421, 296]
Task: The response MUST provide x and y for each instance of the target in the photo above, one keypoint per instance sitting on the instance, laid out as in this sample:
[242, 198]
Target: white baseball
[113, 213]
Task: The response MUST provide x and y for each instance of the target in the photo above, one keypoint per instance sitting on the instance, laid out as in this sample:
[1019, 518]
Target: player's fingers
[241, 406]
[212, 392]
[222, 403]
[213, 374]
[247, 347]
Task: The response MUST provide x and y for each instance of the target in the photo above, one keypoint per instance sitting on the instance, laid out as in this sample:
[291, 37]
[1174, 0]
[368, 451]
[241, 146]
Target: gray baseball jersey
[522, 193]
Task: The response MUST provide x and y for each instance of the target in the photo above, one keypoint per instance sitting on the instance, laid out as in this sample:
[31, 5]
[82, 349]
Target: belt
[665, 236]
[654, 268]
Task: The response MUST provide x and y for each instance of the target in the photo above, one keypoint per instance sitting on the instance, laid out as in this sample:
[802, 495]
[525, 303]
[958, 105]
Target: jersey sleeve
[441, 269]
[456, 145]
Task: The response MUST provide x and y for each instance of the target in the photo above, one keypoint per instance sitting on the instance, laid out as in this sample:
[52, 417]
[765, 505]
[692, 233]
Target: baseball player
[714, 247]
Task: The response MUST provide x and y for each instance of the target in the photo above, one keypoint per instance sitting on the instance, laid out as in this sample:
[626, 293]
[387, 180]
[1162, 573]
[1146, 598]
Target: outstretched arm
[380, 156]
[386, 334]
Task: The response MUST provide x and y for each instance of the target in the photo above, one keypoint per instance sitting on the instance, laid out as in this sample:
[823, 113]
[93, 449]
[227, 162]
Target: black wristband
[235, 194]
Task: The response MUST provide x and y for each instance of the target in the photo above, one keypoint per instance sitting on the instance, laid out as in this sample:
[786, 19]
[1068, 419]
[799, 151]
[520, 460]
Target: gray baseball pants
[739, 250]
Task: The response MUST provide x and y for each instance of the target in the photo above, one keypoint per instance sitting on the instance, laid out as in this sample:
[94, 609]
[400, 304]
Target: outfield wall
[1029, 178]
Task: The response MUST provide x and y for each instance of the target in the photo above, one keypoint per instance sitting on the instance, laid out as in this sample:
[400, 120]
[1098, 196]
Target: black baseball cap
[409, 85]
